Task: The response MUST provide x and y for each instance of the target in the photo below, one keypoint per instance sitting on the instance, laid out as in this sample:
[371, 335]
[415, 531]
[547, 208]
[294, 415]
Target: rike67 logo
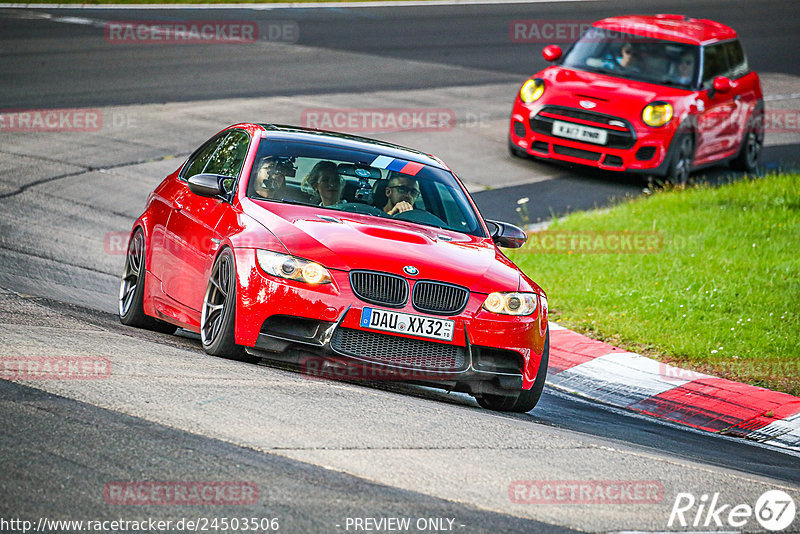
[774, 511]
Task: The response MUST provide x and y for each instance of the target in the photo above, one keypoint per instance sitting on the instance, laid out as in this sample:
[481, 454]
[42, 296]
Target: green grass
[722, 295]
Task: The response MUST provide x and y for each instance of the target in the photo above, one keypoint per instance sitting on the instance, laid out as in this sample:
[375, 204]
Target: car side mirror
[722, 85]
[208, 185]
[507, 235]
[551, 53]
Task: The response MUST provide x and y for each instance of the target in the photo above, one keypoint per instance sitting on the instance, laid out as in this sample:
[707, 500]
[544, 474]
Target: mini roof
[677, 28]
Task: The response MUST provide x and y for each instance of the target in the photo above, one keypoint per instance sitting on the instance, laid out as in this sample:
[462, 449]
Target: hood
[610, 95]
[348, 241]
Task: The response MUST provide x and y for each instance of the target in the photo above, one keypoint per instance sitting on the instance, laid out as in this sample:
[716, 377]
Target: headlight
[292, 268]
[657, 114]
[531, 90]
[511, 303]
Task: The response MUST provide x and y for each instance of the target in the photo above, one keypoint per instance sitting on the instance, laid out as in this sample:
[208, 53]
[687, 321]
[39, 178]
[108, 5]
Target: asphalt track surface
[319, 452]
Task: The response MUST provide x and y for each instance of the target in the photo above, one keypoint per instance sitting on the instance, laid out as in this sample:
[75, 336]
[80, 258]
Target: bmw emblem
[411, 270]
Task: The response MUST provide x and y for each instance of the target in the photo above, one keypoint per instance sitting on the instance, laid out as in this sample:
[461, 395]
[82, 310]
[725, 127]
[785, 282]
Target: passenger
[323, 184]
[401, 192]
[684, 71]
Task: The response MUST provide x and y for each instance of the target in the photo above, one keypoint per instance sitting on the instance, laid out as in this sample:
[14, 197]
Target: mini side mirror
[722, 85]
[551, 53]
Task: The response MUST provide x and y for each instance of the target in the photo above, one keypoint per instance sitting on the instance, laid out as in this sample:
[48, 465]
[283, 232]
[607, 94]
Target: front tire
[524, 400]
[131, 289]
[681, 164]
[218, 318]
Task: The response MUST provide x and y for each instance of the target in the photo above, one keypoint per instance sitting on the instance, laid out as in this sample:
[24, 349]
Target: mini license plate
[404, 323]
[580, 133]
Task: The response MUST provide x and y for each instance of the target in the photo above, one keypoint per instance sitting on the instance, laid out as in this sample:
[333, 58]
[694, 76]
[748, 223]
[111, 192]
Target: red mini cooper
[663, 95]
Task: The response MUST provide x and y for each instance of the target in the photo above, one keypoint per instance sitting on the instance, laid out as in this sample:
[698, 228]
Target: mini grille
[439, 298]
[542, 123]
[398, 351]
[379, 288]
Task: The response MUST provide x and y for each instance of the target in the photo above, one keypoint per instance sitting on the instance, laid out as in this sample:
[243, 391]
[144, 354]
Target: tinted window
[736, 58]
[229, 157]
[634, 57]
[197, 161]
[715, 63]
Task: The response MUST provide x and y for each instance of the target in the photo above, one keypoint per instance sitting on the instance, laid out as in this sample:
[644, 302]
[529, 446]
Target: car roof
[677, 28]
[351, 142]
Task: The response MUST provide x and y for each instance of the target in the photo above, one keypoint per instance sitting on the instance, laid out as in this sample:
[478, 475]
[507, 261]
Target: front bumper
[321, 324]
[631, 148]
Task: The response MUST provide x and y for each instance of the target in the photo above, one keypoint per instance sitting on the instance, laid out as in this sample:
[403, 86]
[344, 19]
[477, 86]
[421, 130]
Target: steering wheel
[420, 216]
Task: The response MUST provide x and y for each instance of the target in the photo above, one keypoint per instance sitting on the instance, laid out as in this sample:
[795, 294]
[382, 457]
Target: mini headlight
[531, 90]
[511, 303]
[657, 114]
[292, 268]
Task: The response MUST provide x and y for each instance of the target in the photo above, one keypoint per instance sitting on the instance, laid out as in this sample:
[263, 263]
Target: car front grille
[379, 288]
[439, 298]
[542, 123]
[399, 351]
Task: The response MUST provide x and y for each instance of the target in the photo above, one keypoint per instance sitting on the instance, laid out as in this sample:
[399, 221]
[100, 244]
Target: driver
[271, 178]
[401, 192]
[628, 58]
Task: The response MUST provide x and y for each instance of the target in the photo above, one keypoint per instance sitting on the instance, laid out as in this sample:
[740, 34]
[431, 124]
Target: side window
[715, 63]
[737, 60]
[229, 156]
[198, 161]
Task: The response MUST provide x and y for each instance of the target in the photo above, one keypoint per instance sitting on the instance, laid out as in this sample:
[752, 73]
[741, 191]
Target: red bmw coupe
[288, 242]
[662, 95]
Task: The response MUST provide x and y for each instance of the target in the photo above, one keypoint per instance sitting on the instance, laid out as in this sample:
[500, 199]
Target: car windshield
[635, 57]
[361, 182]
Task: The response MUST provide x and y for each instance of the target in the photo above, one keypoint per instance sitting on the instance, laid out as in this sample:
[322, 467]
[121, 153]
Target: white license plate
[404, 323]
[580, 133]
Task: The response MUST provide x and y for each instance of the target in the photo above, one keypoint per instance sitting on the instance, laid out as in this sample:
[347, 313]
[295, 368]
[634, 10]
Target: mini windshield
[635, 57]
[360, 182]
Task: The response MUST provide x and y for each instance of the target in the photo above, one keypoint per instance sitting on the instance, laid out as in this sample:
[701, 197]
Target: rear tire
[524, 400]
[218, 318]
[131, 289]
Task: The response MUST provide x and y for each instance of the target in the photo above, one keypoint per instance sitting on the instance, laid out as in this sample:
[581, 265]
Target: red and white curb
[602, 372]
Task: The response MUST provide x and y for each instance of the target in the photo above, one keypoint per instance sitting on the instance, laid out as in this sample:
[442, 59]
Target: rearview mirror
[208, 185]
[507, 235]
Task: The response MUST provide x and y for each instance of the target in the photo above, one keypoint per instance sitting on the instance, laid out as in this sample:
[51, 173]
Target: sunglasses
[403, 190]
